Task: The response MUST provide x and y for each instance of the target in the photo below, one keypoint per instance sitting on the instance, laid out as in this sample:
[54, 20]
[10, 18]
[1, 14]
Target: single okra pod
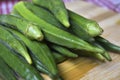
[97, 56]
[90, 26]
[58, 57]
[64, 51]
[26, 27]
[20, 48]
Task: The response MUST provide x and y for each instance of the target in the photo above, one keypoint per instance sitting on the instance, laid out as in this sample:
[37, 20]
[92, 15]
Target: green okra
[25, 70]
[27, 28]
[64, 51]
[79, 31]
[97, 56]
[20, 48]
[43, 14]
[105, 54]
[5, 71]
[107, 44]
[57, 8]
[54, 34]
[41, 53]
[48, 17]
[90, 26]
[58, 57]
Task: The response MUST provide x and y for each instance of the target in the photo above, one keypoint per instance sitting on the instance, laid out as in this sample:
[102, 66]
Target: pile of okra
[38, 35]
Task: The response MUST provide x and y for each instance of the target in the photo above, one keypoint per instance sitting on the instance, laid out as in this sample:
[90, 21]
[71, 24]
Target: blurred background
[6, 5]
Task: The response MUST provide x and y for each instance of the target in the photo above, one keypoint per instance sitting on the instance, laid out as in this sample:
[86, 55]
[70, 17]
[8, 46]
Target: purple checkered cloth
[110, 4]
[6, 5]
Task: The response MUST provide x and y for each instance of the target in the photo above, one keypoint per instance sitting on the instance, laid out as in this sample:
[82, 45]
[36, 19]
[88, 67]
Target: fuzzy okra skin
[25, 70]
[54, 34]
[64, 51]
[27, 28]
[43, 57]
[57, 7]
[90, 26]
[5, 71]
[107, 45]
[20, 48]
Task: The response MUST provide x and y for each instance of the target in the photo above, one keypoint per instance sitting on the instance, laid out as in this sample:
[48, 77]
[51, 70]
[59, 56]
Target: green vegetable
[64, 51]
[107, 45]
[28, 28]
[25, 70]
[59, 57]
[5, 71]
[105, 54]
[41, 13]
[76, 29]
[97, 56]
[57, 7]
[54, 34]
[42, 53]
[8, 38]
[90, 26]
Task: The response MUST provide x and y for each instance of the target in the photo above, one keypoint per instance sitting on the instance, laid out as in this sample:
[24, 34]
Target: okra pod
[25, 70]
[26, 27]
[107, 45]
[97, 56]
[42, 54]
[20, 48]
[105, 54]
[54, 34]
[74, 28]
[58, 57]
[5, 71]
[64, 51]
[57, 8]
[90, 26]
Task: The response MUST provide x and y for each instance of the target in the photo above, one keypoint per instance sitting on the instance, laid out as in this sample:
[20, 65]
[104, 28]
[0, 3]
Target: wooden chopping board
[86, 68]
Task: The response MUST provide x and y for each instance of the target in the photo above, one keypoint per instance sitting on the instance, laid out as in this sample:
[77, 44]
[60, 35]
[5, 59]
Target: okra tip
[29, 60]
[100, 57]
[40, 38]
[27, 57]
[94, 29]
[66, 23]
[34, 32]
[107, 56]
[75, 55]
